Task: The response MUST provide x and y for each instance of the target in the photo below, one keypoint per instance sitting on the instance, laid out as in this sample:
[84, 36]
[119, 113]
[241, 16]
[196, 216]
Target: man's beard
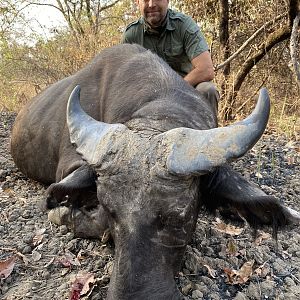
[156, 29]
[155, 22]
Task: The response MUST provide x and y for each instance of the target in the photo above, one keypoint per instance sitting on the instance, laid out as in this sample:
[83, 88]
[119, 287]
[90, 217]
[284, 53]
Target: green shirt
[179, 42]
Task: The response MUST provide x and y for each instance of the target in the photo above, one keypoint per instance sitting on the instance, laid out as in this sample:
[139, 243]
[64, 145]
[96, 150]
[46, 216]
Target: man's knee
[210, 92]
[204, 86]
[209, 89]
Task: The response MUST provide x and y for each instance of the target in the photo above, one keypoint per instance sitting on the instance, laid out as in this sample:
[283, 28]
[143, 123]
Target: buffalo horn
[85, 131]
[200, 151]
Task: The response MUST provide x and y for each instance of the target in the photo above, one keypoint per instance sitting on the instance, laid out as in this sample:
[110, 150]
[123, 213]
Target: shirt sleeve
[130, 35]
[194, 41]
[125, 39]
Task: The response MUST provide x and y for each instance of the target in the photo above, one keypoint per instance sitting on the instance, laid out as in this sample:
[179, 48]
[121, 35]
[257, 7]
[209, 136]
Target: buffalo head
[149, 186]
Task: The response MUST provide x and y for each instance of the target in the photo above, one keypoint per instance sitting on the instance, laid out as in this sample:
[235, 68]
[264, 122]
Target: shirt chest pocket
[174, 53]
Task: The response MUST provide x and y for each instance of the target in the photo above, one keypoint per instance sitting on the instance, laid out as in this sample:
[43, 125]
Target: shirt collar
[169, 25]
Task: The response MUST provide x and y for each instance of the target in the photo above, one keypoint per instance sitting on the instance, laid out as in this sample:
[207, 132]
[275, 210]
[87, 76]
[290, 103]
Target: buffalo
[130, 147]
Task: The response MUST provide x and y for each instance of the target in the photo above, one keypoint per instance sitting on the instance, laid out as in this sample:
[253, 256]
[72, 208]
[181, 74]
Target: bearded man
[178, 40]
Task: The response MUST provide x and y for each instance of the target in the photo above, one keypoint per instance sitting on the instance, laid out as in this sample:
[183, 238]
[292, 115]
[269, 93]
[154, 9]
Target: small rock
[240, 296]
[202, 288]
[27, 239]
[109, 267]
[8, 280]
[279, 266]
[214, 296]
[2, 173]
[26, 214]
[63, 229]
[197, 294]
[186, 289]
[46, 274]
[30, 222]
[291, 296]
[207, 281]
[64, 286]
[253, 291]
[267, 288]
[289, 281]
[58, 215]
[70, 236]
[26, 250]
[185, 271]
[100, 263]
[4, 289]
[13, 217]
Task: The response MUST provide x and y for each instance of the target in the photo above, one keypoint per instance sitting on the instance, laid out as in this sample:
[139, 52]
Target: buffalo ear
[87, 133]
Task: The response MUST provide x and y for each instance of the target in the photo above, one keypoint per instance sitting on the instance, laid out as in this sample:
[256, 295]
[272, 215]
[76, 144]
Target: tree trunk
[294, 42]
[224, 41]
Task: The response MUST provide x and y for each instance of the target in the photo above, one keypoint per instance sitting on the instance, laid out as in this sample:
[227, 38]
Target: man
[177, 39]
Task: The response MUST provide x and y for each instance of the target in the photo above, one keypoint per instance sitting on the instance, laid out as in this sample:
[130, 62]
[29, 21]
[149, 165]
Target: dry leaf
[69, 259]
[81, 285]
[262, 236]
[211, 271]
[17, 254]
[241, 276]
[291, 160]
[246, 270]
[75, 291]
[232, 248]
[37, 239]
[9, 192]
[88, 279]
[262, 270]
[226, 228]
[6, 267]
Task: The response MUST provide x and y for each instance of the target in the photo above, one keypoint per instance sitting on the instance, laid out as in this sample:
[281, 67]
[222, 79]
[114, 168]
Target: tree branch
[108, 5]
[88, 13]
[275, 38]
[44, 4]
[247, 42]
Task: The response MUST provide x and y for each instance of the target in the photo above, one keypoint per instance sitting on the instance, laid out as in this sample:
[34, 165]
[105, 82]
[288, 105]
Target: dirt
[222, 262]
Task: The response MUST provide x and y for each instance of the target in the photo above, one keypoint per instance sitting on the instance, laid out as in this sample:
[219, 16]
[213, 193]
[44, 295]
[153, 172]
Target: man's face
[154, 11]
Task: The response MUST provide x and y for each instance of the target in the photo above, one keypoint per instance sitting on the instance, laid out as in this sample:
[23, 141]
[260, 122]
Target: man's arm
[203, 69]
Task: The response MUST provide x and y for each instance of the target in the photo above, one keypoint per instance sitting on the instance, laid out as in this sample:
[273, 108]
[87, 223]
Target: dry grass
[25, 72]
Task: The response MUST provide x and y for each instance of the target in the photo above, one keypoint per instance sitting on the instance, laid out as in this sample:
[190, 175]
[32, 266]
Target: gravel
[48, 257]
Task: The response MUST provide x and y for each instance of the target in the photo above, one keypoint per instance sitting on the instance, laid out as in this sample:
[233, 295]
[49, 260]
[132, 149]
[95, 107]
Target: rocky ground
[39, 260]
